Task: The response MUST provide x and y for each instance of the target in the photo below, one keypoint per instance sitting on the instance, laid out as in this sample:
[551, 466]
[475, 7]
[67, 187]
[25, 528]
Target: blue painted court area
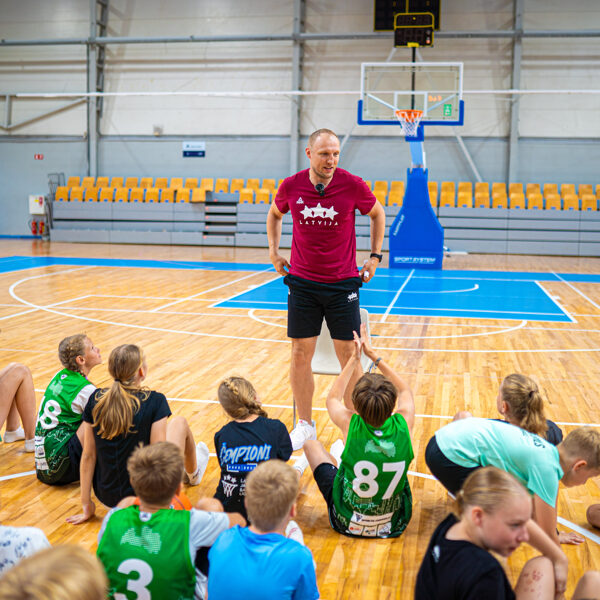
[467, 294]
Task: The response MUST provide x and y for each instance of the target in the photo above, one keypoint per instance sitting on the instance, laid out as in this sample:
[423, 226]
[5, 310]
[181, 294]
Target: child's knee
[209, 504]
[593, 515]
[462, 414]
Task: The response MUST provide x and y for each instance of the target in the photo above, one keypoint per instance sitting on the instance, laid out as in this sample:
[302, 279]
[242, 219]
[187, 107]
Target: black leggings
[449, 474]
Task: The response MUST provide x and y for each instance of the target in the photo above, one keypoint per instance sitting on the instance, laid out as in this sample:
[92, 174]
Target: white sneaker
[14, 436]
[202, 455]
[293, 532]
[301, 464]
[302, 432]
[30, 445]
[336, 450]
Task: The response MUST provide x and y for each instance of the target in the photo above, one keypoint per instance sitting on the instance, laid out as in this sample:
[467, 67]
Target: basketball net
[409, 121]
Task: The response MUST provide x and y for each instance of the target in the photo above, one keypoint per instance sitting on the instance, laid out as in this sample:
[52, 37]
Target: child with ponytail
[249, 439]
[493, 513]
[118, 419]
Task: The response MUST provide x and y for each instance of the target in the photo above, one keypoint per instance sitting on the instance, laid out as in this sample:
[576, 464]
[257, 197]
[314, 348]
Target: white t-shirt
[18, 542]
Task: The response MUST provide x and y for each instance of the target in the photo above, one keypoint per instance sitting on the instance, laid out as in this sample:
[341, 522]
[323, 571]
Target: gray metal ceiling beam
[305, 37]
[515, 102]
[297, 77]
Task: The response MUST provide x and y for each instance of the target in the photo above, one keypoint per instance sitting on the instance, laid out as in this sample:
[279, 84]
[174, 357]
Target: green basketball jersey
[148, 554]
[56, 424]
[371, 495]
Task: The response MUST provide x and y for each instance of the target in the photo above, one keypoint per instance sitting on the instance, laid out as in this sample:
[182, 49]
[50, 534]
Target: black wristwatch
[379, 257]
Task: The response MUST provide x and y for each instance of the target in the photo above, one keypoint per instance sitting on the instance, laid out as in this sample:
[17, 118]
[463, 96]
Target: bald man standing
[322, 277]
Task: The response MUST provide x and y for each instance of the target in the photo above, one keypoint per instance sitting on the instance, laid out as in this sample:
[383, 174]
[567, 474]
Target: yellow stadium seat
[553, 202]
[122, 194]
[535, 200]
[87, 182]
[152, 194]
[448, 187]
[499, 201]
[161, 183]
[482, 188]
[482, 200]
[191, 182]
[396, 185]
[207, 183]
[77, 194]
[136, 195]
[464, 200]
[62, 193]
[268, 184]
[588, 201]
[246, 196]
[515, 188]
[198, 195]
[222, 185]
[432, 187]
[499, 188]
[236, 185]
[381, 186]
[182, 195]
[396, 197]
[101, 182]
[107, 194]
[585, 188]
[380, 195]
[567, 188]
[176, 182]
[73, 182]
[167, 195]
[517, 199]
[252, 184]
[532, 188]
[369, 184]
[131, 182]
[90, 194]
[116, 182]
[263, 196]
[550, 188]
[598, 191]
[147, 182]
[570, 202]
[447, 199]
[465, 187]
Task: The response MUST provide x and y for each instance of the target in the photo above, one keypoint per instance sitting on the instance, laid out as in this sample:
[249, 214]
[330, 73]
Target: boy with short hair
[368, 495]
[151, 548]
[259, 562]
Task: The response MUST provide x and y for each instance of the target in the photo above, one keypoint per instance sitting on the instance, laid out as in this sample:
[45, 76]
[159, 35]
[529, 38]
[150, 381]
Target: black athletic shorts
[449, 474]
[72, 472]
[310, 301]
[324, 475]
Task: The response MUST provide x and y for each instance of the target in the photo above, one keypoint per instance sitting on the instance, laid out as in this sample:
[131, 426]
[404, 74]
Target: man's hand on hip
[282, 266]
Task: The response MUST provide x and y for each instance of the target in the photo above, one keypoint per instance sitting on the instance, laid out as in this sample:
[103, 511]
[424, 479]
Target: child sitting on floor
[58, 434]
[251, 438]
[368, 495]
[150, 547]
[259, 562]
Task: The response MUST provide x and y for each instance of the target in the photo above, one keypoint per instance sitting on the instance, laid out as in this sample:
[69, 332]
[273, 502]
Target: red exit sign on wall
[38, 156]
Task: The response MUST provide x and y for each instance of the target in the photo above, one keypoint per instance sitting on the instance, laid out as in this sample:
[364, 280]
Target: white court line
[556, 303]
[164, 312]
[253, 316]
[472, 289]
[25, 312]
[444, 337]
[580, 530]
[128, 325]
[24, 474]
[218, 287]
[389, 308]
[594, 304]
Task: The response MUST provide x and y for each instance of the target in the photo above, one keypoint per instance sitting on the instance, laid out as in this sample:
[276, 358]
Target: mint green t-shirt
[531, 459]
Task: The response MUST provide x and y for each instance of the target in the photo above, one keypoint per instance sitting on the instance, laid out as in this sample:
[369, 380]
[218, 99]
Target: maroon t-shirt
[324, 238]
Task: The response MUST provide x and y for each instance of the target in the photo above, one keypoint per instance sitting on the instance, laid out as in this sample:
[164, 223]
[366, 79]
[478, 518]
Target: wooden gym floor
[453, 363]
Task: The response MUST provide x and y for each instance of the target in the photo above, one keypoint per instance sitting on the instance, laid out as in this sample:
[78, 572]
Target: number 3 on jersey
[138, 586]
[365, 482]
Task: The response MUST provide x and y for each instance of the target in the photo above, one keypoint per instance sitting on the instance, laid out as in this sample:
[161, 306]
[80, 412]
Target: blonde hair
[238, 398]
[59, 573]
[489, 488]
[155, 472]
[271, 490]
[584, 443]
[69, 349]
[374, 398]
[523, 397]
[117, 405]
[315, 134]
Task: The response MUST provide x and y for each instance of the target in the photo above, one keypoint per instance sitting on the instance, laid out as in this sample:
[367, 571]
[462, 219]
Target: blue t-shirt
[253, 566]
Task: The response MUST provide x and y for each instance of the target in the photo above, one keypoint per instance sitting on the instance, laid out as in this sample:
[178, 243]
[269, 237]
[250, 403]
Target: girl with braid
[58, 433]
[117, 420]
[249, 439]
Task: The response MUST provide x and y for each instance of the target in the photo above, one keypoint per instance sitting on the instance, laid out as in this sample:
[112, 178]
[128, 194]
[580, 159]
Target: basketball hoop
[409, 121]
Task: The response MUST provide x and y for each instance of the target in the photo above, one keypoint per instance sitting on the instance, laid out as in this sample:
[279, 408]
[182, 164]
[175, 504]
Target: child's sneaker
[202, 455]
[293, 532]
[14, 436]
[300, 465]
[336, 450]
[302, 432]
[30, 445]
